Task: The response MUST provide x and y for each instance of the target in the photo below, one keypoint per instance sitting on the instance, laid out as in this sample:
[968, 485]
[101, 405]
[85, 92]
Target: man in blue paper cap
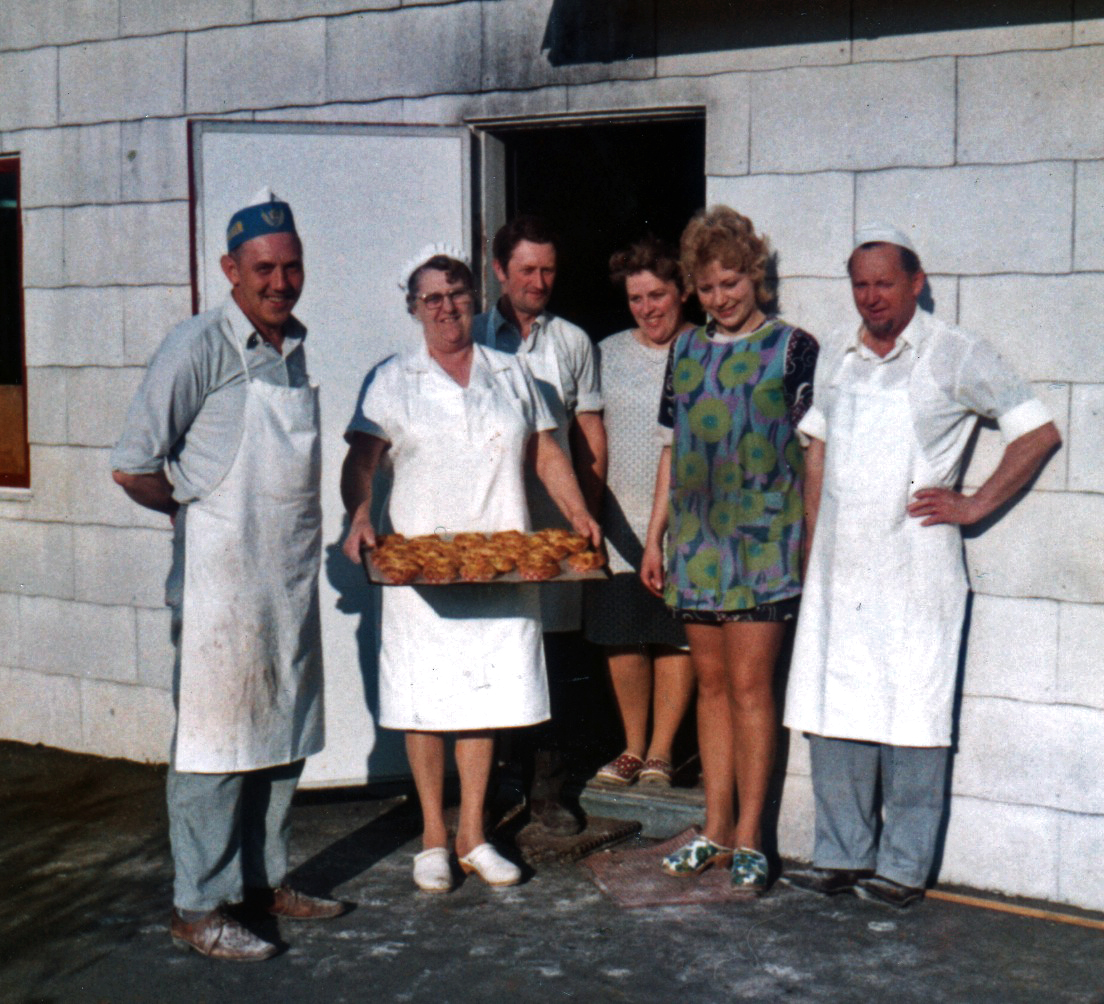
[223, 438]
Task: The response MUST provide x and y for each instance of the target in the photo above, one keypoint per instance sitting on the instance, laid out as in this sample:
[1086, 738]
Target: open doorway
[603, 185]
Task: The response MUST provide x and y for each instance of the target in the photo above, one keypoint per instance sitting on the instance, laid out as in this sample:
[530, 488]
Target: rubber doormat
[634, 878]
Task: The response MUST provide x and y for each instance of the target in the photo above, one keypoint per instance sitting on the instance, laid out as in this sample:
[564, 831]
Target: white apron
[251, 645]
[464, 656]
[561, 602]
[876, 652]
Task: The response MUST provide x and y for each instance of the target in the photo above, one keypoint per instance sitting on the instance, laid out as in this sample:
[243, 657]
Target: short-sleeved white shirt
[953, 376]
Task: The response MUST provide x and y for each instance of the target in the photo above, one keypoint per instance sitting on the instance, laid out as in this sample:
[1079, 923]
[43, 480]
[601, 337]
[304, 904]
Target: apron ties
[251, 652]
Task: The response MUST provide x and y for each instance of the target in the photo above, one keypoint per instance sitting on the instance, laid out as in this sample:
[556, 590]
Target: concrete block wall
[987, 143]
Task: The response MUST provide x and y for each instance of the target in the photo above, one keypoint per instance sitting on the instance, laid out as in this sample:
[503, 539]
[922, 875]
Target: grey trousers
[845, 779]
[228, 832]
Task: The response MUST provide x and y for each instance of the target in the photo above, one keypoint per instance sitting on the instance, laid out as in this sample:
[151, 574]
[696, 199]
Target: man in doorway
[872, 679]
[561, 358]
[223, 438]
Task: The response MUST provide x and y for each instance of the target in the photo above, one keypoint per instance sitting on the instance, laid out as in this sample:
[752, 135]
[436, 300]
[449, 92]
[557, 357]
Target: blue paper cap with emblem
[265, 214]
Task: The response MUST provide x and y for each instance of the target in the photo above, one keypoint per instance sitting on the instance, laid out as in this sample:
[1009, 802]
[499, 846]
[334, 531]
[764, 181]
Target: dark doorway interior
[602, 187]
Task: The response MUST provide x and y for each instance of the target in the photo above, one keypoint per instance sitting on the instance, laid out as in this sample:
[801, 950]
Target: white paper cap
[429, 251]
[883, 233]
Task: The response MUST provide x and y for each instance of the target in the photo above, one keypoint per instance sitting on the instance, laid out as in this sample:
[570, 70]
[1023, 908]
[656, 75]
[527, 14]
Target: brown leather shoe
[219, 936]
[283, 901]
[826, 881]
[883, 890]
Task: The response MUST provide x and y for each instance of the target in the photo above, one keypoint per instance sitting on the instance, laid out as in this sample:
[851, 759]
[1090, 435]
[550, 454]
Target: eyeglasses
[436, 301]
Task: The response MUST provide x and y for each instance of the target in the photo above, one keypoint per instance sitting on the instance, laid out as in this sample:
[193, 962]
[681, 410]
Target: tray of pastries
[507, 556]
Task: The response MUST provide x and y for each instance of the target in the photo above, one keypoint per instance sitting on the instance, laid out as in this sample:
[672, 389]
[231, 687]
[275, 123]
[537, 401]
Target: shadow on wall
[581, 31]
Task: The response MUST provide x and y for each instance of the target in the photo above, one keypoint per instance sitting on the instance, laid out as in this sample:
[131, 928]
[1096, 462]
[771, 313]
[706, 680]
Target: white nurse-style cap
[882, 233]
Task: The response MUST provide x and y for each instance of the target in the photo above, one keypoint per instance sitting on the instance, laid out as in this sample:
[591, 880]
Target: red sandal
[624, 770]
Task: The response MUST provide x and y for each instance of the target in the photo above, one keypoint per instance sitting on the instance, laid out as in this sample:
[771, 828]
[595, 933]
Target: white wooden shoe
[431, 870]
[490, 866]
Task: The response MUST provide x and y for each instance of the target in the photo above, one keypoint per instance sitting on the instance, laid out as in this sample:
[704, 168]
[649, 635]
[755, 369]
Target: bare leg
[673, 673]
[426, 753]
[631, 675]
[474, 754]
[751, 650]
[715, 730]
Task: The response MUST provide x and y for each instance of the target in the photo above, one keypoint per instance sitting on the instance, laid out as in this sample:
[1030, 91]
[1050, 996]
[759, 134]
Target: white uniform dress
[466, 656]
[876, 652]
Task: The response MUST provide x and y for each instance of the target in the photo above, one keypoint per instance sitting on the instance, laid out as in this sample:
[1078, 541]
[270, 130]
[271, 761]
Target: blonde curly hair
[723, 235]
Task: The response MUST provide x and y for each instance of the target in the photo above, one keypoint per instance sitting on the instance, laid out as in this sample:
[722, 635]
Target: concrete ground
[85, 883]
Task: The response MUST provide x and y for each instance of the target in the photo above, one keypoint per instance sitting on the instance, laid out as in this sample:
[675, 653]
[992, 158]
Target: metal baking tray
[567, 574]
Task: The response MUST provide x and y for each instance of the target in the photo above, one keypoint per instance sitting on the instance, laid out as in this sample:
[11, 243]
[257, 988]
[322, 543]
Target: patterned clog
[695, 857]
[657, 771]
[624, 770]
[749, 871]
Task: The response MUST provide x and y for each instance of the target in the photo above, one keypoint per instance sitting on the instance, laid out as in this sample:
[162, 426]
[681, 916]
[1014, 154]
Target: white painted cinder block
[69, 166]
[1012, 649]
[28, 81]
[9, 630]
[38, 558]
[149, 313]
[145, 243]
[807, 217]
[25, 24]
[978, 220]
[1048, 545]
[126, 721]
[1088, 30]
[97, 499]
[1031, 754]
[817, 305]
[123, 79]
[367, 111]
[46, 404]
[155, 650]
[870, 15]
[1081, 639]
[989, 447]
[98, 401]
[121, 566]
[259, 66]
[43, 249]
[853, 117]
[796, 818]
[39, 707]
[58, 323]
[1086, 455]
[154, 160]
[140, 17]
[278, 10]
[376, 55]
[1080, 877]
[1040, 324]
[1088, 246]
[78, 639]
[1022, 106]
[1013, 849]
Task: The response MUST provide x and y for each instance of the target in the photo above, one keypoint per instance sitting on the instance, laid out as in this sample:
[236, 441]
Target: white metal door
[365, 198]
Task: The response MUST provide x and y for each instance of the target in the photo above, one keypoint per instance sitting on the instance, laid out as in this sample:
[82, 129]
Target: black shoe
[883, 890]
[826, 881]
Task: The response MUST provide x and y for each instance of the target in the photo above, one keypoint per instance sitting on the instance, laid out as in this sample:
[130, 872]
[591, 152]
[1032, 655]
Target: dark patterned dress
[735, 506]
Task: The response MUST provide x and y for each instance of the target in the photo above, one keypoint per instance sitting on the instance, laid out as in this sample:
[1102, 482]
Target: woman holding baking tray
[459, 423]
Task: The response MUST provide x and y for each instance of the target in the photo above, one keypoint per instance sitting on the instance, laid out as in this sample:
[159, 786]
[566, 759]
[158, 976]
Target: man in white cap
[872, 678]
[223, 438]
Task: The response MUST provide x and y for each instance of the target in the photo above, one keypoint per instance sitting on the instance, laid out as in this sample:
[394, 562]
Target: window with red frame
[15, 467]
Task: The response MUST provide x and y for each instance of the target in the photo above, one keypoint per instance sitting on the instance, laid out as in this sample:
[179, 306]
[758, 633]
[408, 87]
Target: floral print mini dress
[735, 506]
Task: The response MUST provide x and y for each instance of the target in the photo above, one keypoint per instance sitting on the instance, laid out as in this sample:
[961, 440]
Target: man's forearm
[153, 491]
[590, 457]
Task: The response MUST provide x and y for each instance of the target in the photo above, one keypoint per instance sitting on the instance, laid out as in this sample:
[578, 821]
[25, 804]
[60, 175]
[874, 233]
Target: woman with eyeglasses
[459, 423]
